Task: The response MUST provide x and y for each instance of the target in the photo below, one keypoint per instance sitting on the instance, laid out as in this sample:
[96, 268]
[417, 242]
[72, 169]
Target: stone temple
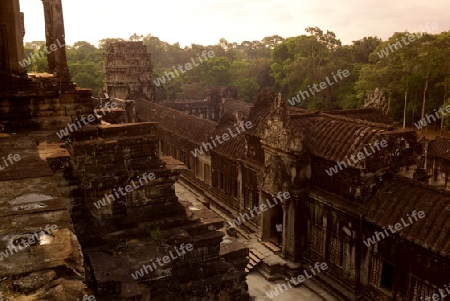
[97, 250]
[378, 216]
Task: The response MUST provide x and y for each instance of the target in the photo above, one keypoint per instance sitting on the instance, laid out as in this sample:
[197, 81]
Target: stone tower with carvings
[128, 71]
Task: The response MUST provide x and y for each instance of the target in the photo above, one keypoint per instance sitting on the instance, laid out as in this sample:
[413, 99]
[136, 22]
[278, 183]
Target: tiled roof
[328, 135]
[194, 129]
[371, 115]
[234, 148]
[259, 121]
[185, 105]
[440, 148]
[232, 105]
[260, 111]
[334, 137]
[397, 197]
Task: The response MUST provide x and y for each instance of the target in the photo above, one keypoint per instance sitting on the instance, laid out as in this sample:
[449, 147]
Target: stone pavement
[40, 266]
[259, 285]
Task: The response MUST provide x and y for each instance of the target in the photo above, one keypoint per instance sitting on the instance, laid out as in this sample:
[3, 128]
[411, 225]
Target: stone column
[55, 39]
[3, 50]
[284, 244]
[11, 38]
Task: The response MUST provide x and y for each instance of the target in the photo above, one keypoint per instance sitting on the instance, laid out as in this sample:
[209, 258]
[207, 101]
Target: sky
[205, 22]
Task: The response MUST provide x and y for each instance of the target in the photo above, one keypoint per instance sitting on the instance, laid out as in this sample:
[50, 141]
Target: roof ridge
[410, 181]
[181, 113]
[358, 121]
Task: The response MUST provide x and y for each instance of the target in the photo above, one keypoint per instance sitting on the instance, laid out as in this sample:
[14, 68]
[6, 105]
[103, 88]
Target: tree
[443, 70]
[215, 71]
[426, 58]
[80, 50]
[248, 89]
[361, 49]
[102, 44]
[192, 90]
[394, 61]
[136, 38]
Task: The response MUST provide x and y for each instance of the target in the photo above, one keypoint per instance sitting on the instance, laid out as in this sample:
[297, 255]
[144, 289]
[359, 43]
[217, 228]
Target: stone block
[130, 129]
[34, 281]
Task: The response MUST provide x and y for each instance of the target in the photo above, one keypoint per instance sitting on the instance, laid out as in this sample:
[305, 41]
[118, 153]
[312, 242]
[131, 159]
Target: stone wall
[42, 102]
[146, 223]
[49, 266]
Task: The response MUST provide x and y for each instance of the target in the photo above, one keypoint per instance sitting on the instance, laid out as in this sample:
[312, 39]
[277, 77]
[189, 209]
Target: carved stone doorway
[272, 216]
[276, 218]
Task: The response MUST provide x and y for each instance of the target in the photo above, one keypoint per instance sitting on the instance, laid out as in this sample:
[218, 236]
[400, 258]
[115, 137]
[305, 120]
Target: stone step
[254, 258]
[251, 264]
[272, 247]
[257, 254]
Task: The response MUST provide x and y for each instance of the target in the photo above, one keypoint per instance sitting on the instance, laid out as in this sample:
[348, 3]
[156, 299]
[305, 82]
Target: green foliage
[410, 70]
[248, 88]
[85, 63]
[419, 71]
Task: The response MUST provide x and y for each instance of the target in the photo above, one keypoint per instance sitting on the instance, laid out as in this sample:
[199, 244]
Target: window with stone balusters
[316, 237]
[382, 273]
[420, 290]
[336, 250]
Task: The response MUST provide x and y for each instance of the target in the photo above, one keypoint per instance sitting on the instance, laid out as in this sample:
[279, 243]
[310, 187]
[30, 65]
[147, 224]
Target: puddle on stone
[16, 241]
[45, 239]
[30, 198]
[29, 207]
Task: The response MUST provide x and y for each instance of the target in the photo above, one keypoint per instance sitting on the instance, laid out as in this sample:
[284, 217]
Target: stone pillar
[11, 38]
[131, 111]
[284, 243]
[3, 50]
[55, 39]
[264, 218]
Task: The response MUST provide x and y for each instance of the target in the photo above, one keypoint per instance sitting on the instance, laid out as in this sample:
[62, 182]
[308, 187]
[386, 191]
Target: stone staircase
[272, 247]
[255, 259]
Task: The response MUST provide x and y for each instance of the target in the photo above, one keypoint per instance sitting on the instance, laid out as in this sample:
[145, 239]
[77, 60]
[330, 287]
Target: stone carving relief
[275, 175]
[276, 132]
[377, 100]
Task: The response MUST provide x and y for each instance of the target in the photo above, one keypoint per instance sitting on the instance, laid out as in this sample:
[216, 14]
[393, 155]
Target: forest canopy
[412, 70]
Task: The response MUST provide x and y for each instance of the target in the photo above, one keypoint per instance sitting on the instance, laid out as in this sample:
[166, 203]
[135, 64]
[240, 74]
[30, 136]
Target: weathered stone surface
[145, 224]
[12, 50]
[30, 201]
[128, 71]
[119, 237]
[34, 281]
[28, 108]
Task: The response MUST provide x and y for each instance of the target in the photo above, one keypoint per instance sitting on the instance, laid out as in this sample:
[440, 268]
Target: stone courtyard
[258, 285]
[106, 244]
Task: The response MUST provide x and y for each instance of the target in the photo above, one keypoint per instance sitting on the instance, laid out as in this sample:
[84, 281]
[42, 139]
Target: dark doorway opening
[387, 276]
[276, 218]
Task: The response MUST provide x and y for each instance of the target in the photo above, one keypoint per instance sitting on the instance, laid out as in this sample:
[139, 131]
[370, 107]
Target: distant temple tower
[128, 71]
